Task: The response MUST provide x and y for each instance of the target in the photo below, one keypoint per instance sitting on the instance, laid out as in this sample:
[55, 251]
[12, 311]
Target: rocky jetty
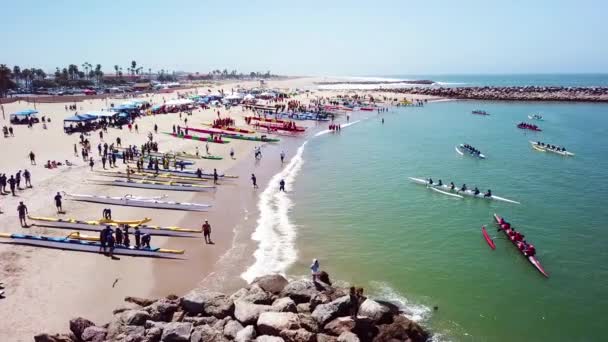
[529, 93]
[420, 82]
[271, 309]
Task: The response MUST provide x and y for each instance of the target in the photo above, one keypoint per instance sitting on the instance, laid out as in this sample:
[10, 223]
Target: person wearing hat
[207, 232]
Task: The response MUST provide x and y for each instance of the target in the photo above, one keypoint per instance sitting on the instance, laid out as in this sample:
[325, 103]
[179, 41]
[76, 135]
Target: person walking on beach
[10, 131]
[282, 185]
[103, 161]
[232, 153]
[22, 210]
[155, 128]
[137, 234]
[58, 198]
[215, 176]
[282, 157]
[18, 179]
[315, 269]
[207, 148]
[91, 163]
[28, 178]
[12, 182]
[3, 183]
[207, 232]
[32, 158]
[254, 181]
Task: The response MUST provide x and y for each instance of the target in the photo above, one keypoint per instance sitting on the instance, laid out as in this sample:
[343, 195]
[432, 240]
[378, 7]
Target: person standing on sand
[156, 128]
[232, 153]
[207, 147]
[282, 185]
[32, 158]
[28, 178]
[22, 210]
[207, 232]
[18, 179]
[11, 183]
[91, 163]
[58, 203]
[282, 157]
[254, 181]
[103, 161]
[215, 176]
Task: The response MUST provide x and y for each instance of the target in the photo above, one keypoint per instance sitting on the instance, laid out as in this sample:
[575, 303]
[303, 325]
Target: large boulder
[324, 313]
[132, 333]
[139, 301]
[273, 283]
[272, 323]
[177, 332]
[196, 321]
[205, 333]
[208, 303]
[231, 328]
[247, 334]
[339, 325]
[248, 313]
[324, 277]
[348, 336]
[162, 310]
[257, 295]
[285, 304]
[266, 338]
[94, 334]
[308, 323]
[126, 306]
[135, 317]
[302, 290]
[318, 298]
[153, 334]
[299, 335]
[365, 328]
[303, 307]
[375, 311]
[154, 324]
[78, 325]
[326, 338]
[401, 329]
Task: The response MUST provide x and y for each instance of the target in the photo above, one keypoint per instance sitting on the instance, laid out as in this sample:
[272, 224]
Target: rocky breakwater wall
[271, 309]
[529, 93]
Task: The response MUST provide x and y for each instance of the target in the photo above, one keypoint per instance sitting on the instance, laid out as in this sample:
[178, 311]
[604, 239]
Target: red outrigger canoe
[531, 259]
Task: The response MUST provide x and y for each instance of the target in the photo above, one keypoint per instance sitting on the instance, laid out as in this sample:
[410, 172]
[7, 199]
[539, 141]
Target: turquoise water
[508, 80]
[356, 211]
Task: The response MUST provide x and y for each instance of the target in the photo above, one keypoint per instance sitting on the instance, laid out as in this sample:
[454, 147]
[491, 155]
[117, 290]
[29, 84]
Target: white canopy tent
[179, 102]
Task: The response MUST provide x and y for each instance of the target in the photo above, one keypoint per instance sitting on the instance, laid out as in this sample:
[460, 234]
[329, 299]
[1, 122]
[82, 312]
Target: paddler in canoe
[440, 183]
[430, 181]
[476, 191]
[464, 187]
[488, 194]
[452, 186]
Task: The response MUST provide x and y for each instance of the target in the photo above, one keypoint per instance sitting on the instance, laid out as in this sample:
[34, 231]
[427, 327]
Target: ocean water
[349, 204]
[481, 80]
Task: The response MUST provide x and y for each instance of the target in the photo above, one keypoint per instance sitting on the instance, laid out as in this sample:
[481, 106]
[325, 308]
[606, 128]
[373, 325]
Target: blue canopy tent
[24, 117]
[80, 123]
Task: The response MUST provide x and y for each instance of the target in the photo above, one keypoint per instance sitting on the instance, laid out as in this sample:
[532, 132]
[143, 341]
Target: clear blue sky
[373, 37]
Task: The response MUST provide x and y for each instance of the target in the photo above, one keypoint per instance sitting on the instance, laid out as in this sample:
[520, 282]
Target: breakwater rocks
[420, 82]
[529, 93]
[271, 309]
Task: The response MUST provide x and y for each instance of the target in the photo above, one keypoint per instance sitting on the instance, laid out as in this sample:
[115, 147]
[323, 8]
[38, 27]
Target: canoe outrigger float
[195, 138]
[470, 193]
[72, 244]
[96, 226]
[146, 184]
[131, 201]
[233, 135]
[107, 221]
[189, 174]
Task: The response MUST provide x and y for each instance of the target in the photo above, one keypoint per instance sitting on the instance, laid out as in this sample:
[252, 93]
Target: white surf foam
[275, 233]
[323, 132]
[415, 312]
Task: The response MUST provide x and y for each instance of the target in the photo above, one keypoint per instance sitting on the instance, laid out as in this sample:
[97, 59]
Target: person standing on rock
[207, 232]
[314, 269]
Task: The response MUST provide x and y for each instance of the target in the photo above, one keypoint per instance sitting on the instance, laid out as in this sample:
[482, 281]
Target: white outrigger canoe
[460, 149]
[545, 149]
[147, 184]
[537, 117]
[470, 193]
[96, 226]
[143, 202]
[65, 243]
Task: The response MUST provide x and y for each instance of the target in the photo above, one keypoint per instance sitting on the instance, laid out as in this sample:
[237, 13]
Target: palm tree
[133, 67]
[98, 73]
[57, 73]
[86, 66]
[17, 73]
[5, 80]
[116, 69]
[138, 70]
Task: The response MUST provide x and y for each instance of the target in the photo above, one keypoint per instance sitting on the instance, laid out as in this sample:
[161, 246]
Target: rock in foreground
[271, 309]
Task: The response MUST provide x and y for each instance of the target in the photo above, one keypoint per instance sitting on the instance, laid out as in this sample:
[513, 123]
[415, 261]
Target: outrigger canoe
[544, 148]
[145, 184]
[192, 174]
[139, 202]
[193, 137]
[234, 135]
[66, 243]
[151, 175]
[230, 128]
[96, 226]
[142, 221]
[462, 150]
[469, 193]
[531, 259]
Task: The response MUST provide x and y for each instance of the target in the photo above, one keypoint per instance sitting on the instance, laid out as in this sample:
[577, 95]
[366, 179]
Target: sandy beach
[45, 287]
